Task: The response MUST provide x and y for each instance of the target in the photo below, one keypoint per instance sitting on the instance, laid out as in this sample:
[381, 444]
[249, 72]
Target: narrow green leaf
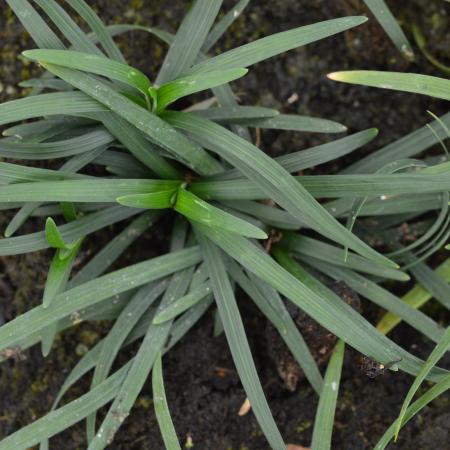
[315, 248]
[43, 83]
[165, 423]
[55, 284]
[415, 298]
[198, 210]
[86, 142]
[58, 274]
[69, 103]
[97, 26]
[383, 14]
[269, 215]
[40, 32]
[67, 26]
[181, 87]
[88, 62]
[189, 39]
[433, 283]
[155, 200]
[297, 123]
[327, 186]
[269, 46]
[83, 190]
[440, 349]
[405, 147]
[223, 24]
[53, 235]
[407, 82]
[183, 303]
[237, 340]
[235, 114]
[324, 421]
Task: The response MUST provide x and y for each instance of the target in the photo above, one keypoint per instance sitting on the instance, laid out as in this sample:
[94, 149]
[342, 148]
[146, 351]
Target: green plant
[201, 169]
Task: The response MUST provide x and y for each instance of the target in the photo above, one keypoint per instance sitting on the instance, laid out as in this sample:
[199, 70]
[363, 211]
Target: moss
[303, 426]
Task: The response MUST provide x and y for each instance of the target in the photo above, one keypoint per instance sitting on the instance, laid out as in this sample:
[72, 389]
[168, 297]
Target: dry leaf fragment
[245, 408]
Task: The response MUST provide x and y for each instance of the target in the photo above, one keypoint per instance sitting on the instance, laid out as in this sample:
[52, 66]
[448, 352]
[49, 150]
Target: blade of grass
[196, 209]
[189, 39]
[392, 28]
[70, 103]
[267, 214]
[310, 247]
[136, 143]
[235, 114]
[324, 421]
[183, 303]
[89, 141]
[433, 283]
[67, 26]
[407, 82]
[223, 24]
[269, 46]
[162, 408]
[155, 200]
[181, 87]
[91, 63]
[297, 123]
[415, 298]
[237, 340]
[83, 190]
[97, 26]
[409, 145]
[440, 349]
[40, 32]
[327, 186]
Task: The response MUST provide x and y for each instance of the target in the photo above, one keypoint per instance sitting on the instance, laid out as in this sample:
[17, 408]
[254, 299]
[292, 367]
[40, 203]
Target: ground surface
[202, 387]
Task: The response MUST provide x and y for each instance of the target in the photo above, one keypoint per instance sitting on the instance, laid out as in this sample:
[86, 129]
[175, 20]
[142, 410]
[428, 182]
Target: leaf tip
[338, 76]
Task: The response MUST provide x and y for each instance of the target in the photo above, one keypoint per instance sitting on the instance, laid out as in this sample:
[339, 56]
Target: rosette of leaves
[226, 198]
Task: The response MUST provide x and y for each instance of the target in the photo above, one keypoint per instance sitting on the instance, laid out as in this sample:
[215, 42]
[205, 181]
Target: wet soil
[202, 386]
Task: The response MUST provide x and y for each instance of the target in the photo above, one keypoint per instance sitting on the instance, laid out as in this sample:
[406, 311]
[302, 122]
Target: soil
[202, 386]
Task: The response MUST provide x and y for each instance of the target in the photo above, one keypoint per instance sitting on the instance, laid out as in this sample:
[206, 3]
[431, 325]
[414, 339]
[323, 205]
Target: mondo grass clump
[119, 150]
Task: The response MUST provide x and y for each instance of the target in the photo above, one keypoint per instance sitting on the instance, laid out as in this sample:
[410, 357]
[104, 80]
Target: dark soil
[203, 390]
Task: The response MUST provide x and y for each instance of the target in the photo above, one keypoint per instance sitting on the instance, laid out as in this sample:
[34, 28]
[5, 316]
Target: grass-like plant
[200, 167]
